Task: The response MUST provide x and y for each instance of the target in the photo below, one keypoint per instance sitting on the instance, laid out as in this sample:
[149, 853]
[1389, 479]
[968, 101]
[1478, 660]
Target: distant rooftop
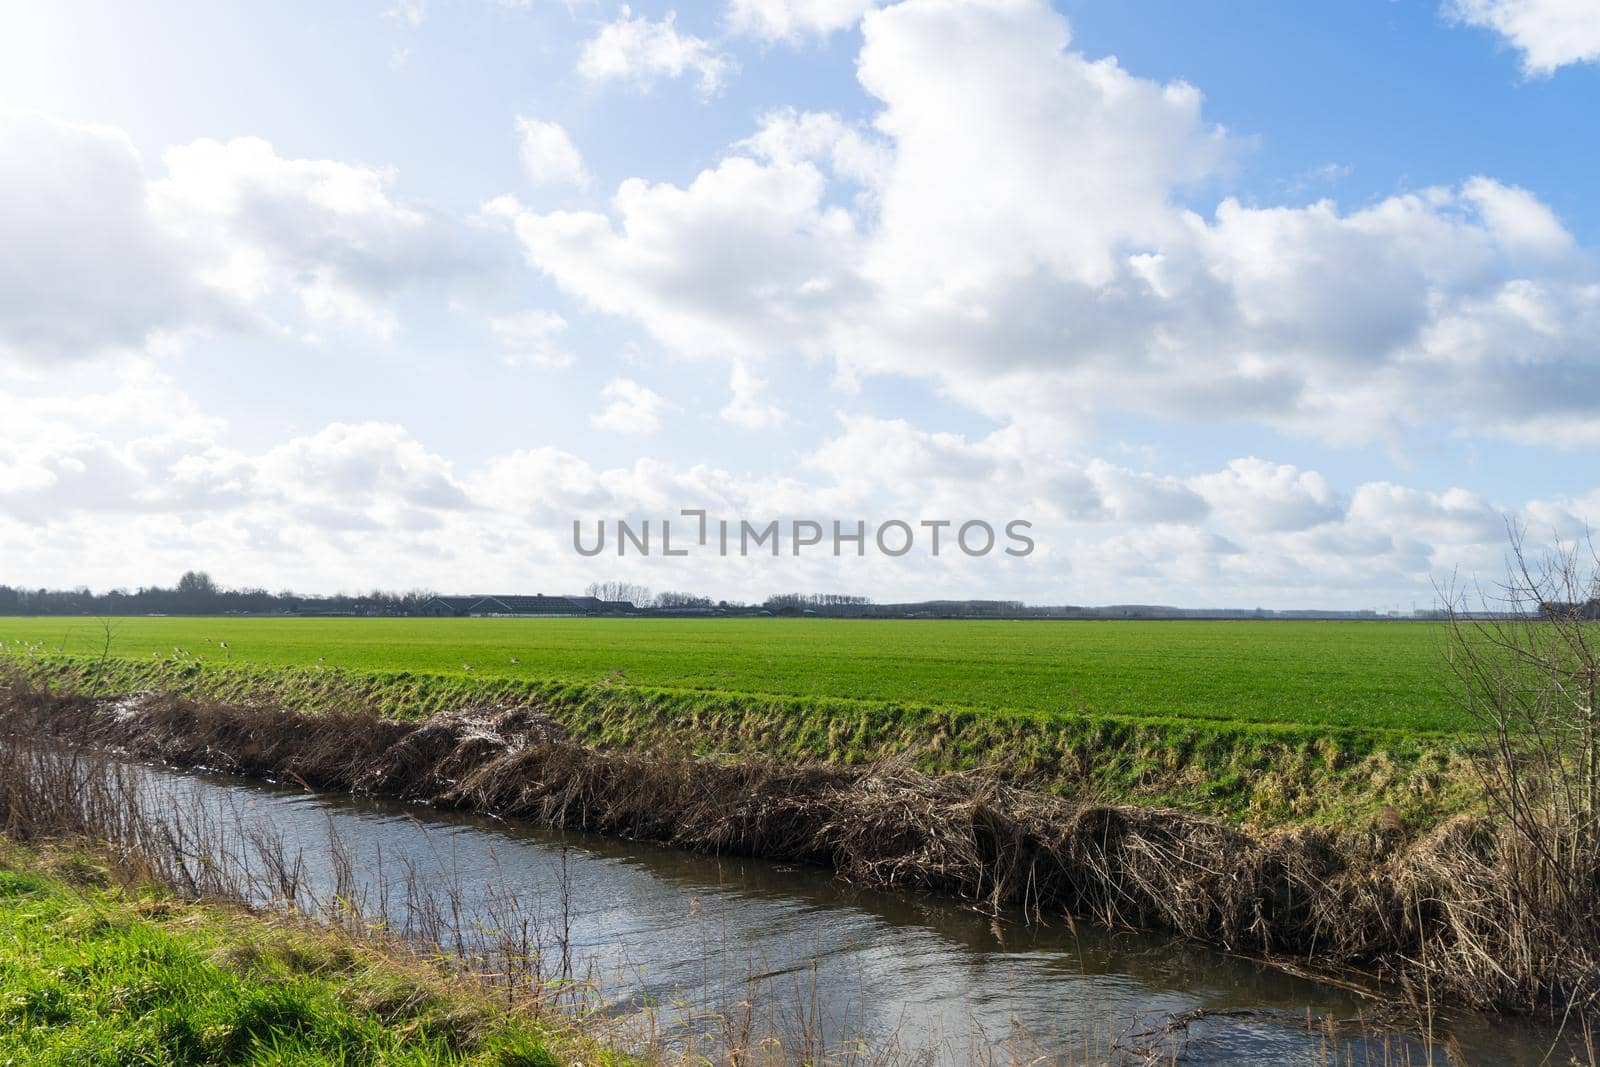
[515, 604]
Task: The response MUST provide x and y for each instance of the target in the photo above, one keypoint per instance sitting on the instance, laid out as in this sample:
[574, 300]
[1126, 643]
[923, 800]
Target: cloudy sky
[1239, 303]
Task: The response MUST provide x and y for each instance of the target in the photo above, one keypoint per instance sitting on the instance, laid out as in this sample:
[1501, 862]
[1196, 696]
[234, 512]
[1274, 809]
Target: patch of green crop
[1356, 675]
[91, 977]
[1261, 721]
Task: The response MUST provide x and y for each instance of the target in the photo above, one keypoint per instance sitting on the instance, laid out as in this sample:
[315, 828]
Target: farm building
[538, 604]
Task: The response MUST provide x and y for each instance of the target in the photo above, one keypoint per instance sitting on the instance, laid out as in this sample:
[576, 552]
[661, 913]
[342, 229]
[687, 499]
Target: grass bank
[1449, 913]
[96, 972]
[1260, 773]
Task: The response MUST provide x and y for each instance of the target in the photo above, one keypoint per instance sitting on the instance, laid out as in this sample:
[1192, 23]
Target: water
[679, 932]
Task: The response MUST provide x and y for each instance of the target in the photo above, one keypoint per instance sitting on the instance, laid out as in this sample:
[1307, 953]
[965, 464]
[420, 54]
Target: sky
[1235, 303]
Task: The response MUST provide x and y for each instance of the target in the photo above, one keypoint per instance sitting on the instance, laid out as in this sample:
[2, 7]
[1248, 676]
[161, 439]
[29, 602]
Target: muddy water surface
[665, 936]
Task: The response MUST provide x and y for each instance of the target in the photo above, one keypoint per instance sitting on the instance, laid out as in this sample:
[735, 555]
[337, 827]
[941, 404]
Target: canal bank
[671, 955]
[1419, 915]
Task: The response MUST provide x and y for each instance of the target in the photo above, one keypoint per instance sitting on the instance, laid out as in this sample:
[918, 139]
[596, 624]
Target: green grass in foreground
[91, 976]
[1326, 674]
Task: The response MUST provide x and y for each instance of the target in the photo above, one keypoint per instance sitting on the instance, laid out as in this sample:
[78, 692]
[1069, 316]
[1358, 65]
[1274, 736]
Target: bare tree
[1526, 657]
[626, 592]
[108, 633]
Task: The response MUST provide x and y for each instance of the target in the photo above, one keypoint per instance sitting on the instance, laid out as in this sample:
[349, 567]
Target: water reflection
[662, 927]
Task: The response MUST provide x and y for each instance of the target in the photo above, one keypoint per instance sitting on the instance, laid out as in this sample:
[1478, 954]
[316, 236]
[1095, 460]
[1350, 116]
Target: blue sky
[1239, 303]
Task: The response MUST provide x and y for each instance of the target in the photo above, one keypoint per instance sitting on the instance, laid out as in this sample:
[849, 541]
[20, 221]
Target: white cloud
[631, 408]
[743, 255]
[1134, 496]
[548, 154]
[99, 257]
[139, 446]
[746, 407]
[85, 263]
[132, 483]
[133, 444]
[872, 460]
[1055, 161]
[1451, 518]
[530, 337]
[1017, 237]
[878, 453]
[640, 51]
[1257, 495]
[1550, 34]
[794, 20]
[787, 137]
[359, 475]
[329, 233]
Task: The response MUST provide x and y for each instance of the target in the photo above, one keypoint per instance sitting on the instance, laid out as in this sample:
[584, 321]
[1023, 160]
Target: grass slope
[92, 976]
[1265, 773]
[1339, 675]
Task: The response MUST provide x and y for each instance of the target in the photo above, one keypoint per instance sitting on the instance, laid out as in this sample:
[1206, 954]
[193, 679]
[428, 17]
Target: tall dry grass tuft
[1526, 658]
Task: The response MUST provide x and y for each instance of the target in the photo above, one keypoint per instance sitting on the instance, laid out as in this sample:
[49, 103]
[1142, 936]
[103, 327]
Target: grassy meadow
[92, 973]
[1329, 674]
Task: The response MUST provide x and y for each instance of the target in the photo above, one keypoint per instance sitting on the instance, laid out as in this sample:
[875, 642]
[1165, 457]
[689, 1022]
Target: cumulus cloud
[1550, 34]
[640, 51]
[794, 20]
[139, 446]
[630, 408]
[1453, 517]
[100, 257]
[1015, 230]
[1139, 497]
[329, 233]
[134, 483]
[747, 251]
[1258, 495]
[86, 263]
[787, 137]
[872, 459]
[359, 475]
[871, 454]
[1253, 531]
[548, 154]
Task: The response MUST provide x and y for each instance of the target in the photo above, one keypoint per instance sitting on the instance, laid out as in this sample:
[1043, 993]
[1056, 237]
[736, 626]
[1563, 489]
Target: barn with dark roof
[512, 604]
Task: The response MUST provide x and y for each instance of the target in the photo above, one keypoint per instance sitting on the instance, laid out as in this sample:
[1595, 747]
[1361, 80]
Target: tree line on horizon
[196, 593]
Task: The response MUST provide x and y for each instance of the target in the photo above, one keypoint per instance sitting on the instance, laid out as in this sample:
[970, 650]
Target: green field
[1332, 674]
